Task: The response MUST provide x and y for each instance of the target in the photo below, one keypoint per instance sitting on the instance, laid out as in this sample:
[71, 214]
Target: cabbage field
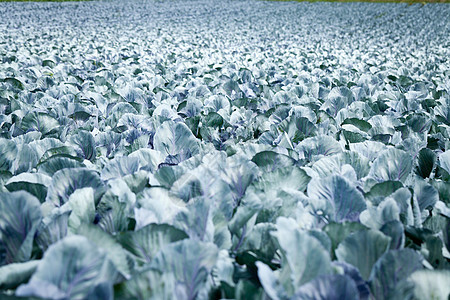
[224, 149]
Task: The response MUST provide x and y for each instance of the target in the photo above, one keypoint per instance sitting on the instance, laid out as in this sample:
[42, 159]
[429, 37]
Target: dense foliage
[224, 149]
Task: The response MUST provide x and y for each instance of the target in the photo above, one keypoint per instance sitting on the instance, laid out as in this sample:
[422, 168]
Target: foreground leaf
[175, 138]
[304, 257]
[190, 262]
[343, 202]
[12, 275]
[66, 181]
[70, 269]
[362, 249]
[388, 279]
[431, 285]
[392, 164]
[330, 287]
[147, 241]
[20, 215]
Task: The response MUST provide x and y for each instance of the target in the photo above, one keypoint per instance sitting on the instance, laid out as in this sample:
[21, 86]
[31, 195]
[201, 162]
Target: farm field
[224, 150]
